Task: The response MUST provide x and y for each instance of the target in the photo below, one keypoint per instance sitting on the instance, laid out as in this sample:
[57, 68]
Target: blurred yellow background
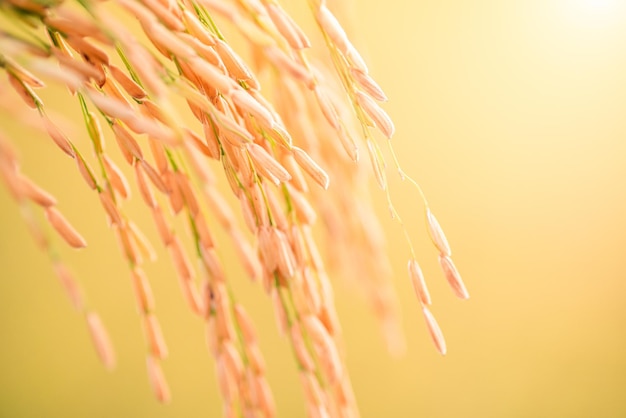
[512, 115]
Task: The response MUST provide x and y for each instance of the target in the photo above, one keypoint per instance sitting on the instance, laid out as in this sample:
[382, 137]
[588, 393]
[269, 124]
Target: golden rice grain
[434, 330]
[36, 193]
[419, 285]
[157, 380]
[143, 291]
[154, 335]
[379, 116]
[453, 277]
[64, 228]
[437, 235]
[311, 167]
[101, 340]
[69, 285]
[133, 89]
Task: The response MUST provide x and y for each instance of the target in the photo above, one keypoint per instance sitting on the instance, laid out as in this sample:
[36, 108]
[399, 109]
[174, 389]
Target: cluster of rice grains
[277, 148]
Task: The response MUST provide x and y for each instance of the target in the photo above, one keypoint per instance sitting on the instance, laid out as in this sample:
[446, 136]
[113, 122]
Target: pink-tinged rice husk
[116, 177]
[85, 172]
[379, 116]
[437, 235]
[182, 181]
[167, 42]
[267, 252]
[226, 381]
[94, 54]
[255, 358]
[279, 312]
[196, 29]
[245, 324]
[193, 140]
[211, 336]
[58, 137]
[369, 85]
[453, 277]
[434, 330]
[127, 244]
[232, 359]
[285, 258]
[304, 211]
[204, 234]
[311, 167]
[127, 142]
[143, 290]
[193, 297]
[291, 67]
[133, 89]
[312, 390]
[157, 380]
[22, 74]
[316, 257]
[212, 75]
[244, 100]
[349, 145]
[25, 92]
[144, 245]
[34, 228]
[199, 165]
[266, 399]
[276, 208]
[70, 286]
[316, 330]
[154, 335]
[235, 65]
[260, 208]
[267, 165]
[204, 51]
[111, 209]
[225, 327]
[331, 26]
[180, 259]
[210, 136]
[153, 110]
[101, 340]
[377, 165]
[64, 228]
[72, 23]
[36, 193]
[313, 302]
[355, 60]
[248, 213]
[158, 153]
[326, 106]
[330, 362]
[249, 259]
[84, 69]
[165, 232]
[221, 209]
[168, 16]
[112, 90]
[155, 178]
[297, 245]
[212, 263]
[144, 188]
[297, 177]
[302, 353]
[419, 284]
[139, 11]
[287, 27]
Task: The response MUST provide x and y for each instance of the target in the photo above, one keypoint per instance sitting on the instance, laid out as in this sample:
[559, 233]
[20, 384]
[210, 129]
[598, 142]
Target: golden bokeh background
[512, 115]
